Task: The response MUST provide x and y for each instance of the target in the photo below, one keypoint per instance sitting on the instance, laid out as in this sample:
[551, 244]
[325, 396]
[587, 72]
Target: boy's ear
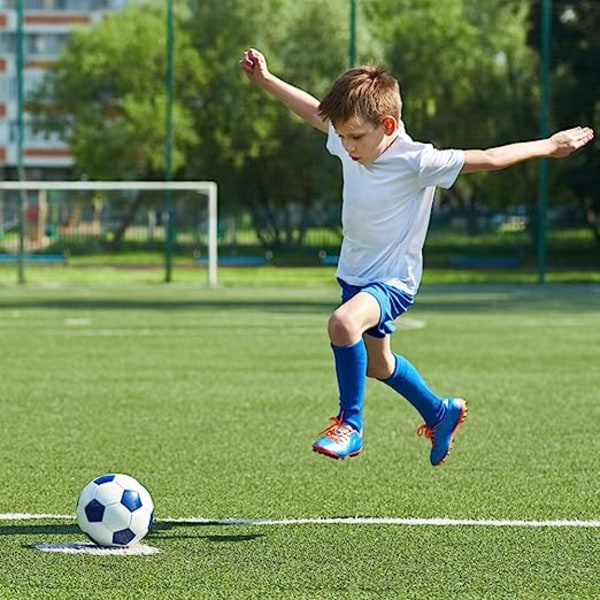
[390, 124]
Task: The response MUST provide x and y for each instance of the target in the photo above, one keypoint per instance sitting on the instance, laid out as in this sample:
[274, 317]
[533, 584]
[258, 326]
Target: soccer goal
[49, 217]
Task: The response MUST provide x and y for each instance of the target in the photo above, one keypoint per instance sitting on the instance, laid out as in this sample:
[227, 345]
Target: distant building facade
[47, 25]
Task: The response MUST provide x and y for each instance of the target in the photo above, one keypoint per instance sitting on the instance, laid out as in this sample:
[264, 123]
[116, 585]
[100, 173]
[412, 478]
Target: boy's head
[367, 93]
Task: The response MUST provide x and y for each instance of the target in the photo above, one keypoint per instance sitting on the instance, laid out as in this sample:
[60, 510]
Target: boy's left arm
[559, 145]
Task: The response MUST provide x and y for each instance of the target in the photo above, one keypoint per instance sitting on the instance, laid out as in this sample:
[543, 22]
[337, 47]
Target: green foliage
[466, 76]
[107, 96]
[576, 95]
[469, 77]
[264, 158]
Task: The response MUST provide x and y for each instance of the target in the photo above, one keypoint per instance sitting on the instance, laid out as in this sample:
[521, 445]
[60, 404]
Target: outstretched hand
[567, 141]
[254, 64]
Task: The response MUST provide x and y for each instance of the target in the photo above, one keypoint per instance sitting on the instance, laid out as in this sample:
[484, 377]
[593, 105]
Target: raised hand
[254, 64]
[567, 141]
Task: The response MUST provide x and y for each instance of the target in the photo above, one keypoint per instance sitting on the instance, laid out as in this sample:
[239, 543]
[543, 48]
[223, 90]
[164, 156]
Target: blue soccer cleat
[443, 432]
[339, 440]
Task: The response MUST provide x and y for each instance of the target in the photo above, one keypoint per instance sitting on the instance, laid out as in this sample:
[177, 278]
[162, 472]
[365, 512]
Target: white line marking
[408, 323]
[408, 521]
[435, 521]
[102, 332]
[137, 550]
[78, 322]
[31, 517]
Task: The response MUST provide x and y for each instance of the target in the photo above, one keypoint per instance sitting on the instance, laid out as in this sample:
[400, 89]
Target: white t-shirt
[386, 209]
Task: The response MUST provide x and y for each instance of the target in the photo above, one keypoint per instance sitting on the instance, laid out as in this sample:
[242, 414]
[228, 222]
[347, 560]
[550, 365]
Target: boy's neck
[392, 139]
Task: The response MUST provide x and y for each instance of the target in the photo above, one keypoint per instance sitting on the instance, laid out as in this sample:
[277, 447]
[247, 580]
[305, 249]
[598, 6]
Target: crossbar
[207, 187]
[204, 186]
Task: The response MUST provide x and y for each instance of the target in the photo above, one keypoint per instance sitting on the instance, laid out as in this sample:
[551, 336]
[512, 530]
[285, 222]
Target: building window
[44, 44]
[8, 43]
[71, 5]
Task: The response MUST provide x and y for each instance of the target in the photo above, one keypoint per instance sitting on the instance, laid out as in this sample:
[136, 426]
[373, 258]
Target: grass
[134, 268]
[213, 397]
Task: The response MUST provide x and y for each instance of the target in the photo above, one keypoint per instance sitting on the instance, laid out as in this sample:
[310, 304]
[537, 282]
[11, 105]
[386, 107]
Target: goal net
[46, 220]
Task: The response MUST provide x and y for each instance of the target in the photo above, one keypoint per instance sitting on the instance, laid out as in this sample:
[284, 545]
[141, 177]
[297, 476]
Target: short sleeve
[439, 167]
[334, 144]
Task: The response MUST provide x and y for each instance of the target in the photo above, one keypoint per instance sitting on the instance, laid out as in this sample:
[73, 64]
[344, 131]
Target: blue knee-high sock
[407, 381]
[351, 371]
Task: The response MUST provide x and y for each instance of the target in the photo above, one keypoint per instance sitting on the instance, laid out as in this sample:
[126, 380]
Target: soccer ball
[115, 510]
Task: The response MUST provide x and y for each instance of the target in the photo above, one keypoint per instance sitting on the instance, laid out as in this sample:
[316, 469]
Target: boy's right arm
[300, 102]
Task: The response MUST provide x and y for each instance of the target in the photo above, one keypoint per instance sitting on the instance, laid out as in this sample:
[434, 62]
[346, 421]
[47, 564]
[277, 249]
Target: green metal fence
[108, 225]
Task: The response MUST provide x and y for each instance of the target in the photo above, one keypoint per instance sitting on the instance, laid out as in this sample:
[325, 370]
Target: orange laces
[337, 432]
[425, 431]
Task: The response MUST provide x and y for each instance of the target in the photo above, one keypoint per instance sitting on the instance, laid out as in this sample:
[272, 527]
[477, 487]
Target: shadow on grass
[34, 529]
[154, 534]
[462, 297]
[525, 297]
[84, 304]
[161, 528]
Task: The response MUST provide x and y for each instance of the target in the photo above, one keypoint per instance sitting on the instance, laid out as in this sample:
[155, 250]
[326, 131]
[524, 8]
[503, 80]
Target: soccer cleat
[339, 440]
[443, 432]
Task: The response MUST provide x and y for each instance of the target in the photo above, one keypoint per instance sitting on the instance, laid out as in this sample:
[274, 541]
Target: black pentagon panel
[123, 537]
[104, 479]
[94, 511]
[131, 500]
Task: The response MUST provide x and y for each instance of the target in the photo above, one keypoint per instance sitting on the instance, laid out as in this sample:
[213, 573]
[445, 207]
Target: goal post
[205, 188]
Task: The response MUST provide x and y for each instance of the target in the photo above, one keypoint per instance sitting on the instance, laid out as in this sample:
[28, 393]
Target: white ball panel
[116, 517]
[146, 499]
[81, 516]
[99, 533]
[140, 520]
[87, 494]
[109, 493]
[127, 482]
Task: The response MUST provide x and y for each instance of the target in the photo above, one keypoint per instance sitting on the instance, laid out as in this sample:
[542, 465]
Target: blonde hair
[368, 92]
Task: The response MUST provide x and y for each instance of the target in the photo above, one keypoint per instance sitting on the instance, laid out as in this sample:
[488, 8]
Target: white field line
[86, 548]
[408, 521]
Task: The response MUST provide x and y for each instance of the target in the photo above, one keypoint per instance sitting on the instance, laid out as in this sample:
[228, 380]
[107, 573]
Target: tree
[106, 96]
[264, 159]
[468, 80]
[575, 97]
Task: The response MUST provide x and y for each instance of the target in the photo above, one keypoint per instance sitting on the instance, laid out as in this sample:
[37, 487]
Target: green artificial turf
[212, 398]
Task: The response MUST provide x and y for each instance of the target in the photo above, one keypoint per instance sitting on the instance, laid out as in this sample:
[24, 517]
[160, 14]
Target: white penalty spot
[92, 549]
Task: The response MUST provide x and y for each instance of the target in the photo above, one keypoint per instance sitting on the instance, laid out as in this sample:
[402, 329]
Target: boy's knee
[340, 329]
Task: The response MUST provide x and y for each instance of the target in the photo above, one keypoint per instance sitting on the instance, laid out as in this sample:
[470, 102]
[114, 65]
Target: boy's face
[363, 141]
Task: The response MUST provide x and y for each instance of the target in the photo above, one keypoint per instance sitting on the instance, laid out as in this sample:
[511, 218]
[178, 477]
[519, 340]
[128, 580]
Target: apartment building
[46, 27]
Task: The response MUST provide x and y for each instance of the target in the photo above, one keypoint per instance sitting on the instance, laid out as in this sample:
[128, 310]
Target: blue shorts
[392, 303]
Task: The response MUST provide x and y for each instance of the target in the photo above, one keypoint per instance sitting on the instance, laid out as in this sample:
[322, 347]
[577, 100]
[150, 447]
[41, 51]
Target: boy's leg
[442, 416]
[351, 371]
[397, 372]
[407, 381]
[346, 326]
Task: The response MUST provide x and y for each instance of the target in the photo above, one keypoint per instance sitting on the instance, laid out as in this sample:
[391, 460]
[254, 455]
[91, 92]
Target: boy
[388, 190]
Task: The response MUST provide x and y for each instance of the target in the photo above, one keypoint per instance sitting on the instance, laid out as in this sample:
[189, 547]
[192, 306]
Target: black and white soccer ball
[115, 510]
